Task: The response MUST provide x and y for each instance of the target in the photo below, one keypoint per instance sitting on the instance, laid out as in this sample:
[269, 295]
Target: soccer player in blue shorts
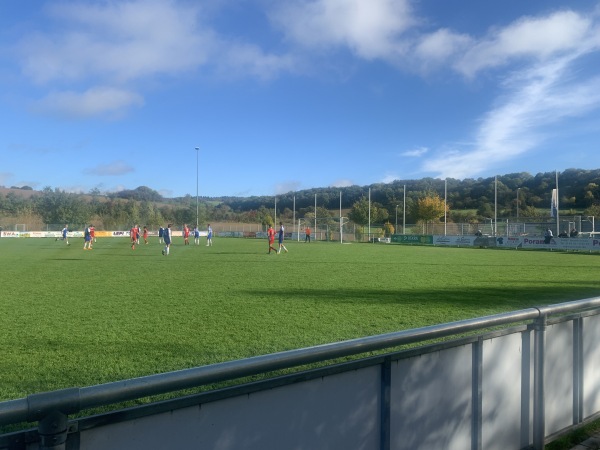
[65, 230]
[281, 231]
[87, 239]
[167, 239]
[209, 236]
[196, 235]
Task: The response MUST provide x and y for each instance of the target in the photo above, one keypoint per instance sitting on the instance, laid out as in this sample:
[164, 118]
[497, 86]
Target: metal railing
[50, 408]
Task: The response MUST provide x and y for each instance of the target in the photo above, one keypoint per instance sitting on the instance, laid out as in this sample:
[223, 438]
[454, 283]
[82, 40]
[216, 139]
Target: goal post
[301, 233]
[330, 229]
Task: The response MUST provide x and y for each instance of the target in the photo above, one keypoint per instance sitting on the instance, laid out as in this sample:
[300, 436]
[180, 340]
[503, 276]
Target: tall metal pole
[369, 214]
[445, 205]
[495, 228]
[341, 225]
[404, 212]
[557, 206]
[197, 158]
[315, 215]
[518, 189]
[396, 229]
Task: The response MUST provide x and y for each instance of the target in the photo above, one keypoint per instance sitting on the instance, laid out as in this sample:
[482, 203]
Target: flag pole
[557, 206]
[445, 204]
[495, 204]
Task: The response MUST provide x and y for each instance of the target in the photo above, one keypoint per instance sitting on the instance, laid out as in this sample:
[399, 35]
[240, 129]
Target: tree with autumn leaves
[429, 208]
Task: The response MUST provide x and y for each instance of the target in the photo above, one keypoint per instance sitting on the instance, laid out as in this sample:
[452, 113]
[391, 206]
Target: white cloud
[289, 186]
[93, 102]
[342, 183]
[530, 37]
[369, 28]
[119, 41]
[120, 44]
[123, 42]
[437, 48]
[544, 90]
[390, 178]
[116, 44]
[537, 99]
[113, 169]
[416, 152]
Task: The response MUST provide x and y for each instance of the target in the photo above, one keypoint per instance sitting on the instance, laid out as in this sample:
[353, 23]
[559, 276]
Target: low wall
[527, 242]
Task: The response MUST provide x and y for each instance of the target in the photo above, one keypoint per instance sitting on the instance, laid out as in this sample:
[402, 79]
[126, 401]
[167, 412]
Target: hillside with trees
[468, 200]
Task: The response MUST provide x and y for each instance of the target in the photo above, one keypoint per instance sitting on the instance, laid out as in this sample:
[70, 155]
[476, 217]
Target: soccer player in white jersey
[281, 232]
[167, 238]
[209, 236]
[65, 230]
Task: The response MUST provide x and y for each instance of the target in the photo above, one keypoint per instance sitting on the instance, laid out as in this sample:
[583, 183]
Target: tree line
[468, 200]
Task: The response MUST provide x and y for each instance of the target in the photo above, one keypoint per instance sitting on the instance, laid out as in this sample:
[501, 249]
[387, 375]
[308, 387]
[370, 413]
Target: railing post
[578, 365]
[526, 386]
[477, 394]
[539, 419]
[53, 431]
[386, 381]
[51, 410]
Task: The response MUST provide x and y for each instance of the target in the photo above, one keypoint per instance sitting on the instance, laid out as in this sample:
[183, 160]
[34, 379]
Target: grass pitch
[77, 318]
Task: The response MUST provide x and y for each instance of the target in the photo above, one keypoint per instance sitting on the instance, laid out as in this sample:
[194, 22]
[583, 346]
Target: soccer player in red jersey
[271, 236]
[186, 234]
[133, 233]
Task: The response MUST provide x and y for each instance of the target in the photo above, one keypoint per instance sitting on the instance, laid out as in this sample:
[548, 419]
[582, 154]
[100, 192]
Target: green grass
[77, 318]
[575, 437]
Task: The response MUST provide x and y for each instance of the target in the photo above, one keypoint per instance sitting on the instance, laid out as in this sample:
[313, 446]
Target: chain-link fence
[329, 229]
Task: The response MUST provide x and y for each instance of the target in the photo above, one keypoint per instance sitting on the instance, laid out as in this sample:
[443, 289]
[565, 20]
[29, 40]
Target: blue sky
[283, 95]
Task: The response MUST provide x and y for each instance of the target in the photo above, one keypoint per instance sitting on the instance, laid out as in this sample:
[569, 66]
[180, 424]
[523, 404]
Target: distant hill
[579, 190]
[21, 193]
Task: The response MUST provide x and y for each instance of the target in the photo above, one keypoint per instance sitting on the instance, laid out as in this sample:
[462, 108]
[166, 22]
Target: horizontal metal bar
[577, 305]
[13, 411]
[20, 410]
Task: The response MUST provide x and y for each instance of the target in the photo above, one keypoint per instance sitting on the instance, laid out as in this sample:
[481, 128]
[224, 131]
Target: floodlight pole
[404, 212]
[315, 215]
[518, 189]
[369, 215]
[495, 229]
[341, 224]
[557, 206]
[445, 205]
[197, 158]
